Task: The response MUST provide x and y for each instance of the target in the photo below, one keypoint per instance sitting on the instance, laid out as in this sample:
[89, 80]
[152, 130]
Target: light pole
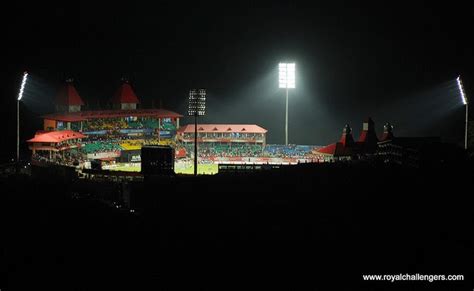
[286, 80]
[466, 103]
[196, 107]
[20, 95]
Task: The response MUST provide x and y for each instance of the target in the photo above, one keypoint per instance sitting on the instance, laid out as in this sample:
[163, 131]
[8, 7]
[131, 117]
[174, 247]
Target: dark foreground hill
[296, 229]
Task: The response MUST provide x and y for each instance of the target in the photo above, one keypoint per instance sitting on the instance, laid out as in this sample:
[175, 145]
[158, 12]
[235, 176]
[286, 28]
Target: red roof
[221, 128]
[329, 149]
[85, 115]
[368, 134]
[64, 117]
[346, 138]
[68, 95]
[336, 149]
[56, 136]
[125, 94]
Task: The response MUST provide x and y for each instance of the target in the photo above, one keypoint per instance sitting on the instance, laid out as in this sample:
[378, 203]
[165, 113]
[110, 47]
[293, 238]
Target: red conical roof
[368, 134]
[68, 95]
[346, 138]
[125, 94]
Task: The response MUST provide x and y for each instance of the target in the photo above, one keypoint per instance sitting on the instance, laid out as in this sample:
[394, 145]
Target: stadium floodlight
[196, 107]
[197, 102]
[287, 80]
[22, 87]
[20, 95]
[465, 103]
[461, 90]
[286, 75]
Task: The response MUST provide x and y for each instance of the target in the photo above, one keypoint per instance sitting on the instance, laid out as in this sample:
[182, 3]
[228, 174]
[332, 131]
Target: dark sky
[394, 62]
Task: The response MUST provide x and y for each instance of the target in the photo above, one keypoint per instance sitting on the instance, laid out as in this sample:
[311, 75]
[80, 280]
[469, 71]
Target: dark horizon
[394, 63]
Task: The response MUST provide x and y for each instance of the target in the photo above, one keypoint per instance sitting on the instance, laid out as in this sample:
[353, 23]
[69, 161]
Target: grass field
[204, 169]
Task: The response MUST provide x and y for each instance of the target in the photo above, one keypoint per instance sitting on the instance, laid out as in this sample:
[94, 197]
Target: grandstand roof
[221, 128]
[55, 136]
[125, 94]
[85, 115]
[336, 149]
[68, 95]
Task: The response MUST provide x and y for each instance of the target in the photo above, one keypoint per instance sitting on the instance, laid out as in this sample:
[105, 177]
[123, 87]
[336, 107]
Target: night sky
[394, 62]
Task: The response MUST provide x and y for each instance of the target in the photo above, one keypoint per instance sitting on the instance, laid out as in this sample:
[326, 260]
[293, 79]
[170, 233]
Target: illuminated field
[180, 168]
[203, 169]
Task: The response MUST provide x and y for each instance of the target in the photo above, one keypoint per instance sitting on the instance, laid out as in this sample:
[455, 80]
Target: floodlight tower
[465, 102]
[286, 80]
[196, 107]
[20, 95]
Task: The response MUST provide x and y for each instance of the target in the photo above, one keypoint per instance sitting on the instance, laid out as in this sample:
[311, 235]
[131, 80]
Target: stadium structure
[409, 151]
[232, 140]
[73, 136]
[114, 137]
[346, 148]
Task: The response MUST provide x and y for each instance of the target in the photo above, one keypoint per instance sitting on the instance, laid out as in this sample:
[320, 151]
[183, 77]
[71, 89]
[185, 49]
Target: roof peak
[125, 94]
[68, 94]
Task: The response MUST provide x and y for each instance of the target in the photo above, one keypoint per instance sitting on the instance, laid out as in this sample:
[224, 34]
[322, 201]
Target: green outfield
[203, 169]
[180, 168]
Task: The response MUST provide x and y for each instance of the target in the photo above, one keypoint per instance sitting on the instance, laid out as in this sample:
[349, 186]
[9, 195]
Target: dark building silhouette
[367, 143]
[343, 149]
[346, 148]
[409, 151]
[157, 160]
[387, 132]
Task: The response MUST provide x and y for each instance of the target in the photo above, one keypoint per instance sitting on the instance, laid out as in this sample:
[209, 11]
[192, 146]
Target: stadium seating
[133, 144]
[226, 150]
[168, 127]
[150, 123]
[287, 151]
[95, 147]
[117, 123]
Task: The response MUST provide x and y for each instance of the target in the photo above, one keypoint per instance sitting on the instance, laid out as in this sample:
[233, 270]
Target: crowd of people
[126, 123]
[99, 147]
[104, 124]
[290, 151]
[71, 157]
[97, 143]
[252, 150]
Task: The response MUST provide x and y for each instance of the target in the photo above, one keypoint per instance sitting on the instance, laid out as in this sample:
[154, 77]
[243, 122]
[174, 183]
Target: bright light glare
[22, 88]
[286, 74]
[461, 89]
